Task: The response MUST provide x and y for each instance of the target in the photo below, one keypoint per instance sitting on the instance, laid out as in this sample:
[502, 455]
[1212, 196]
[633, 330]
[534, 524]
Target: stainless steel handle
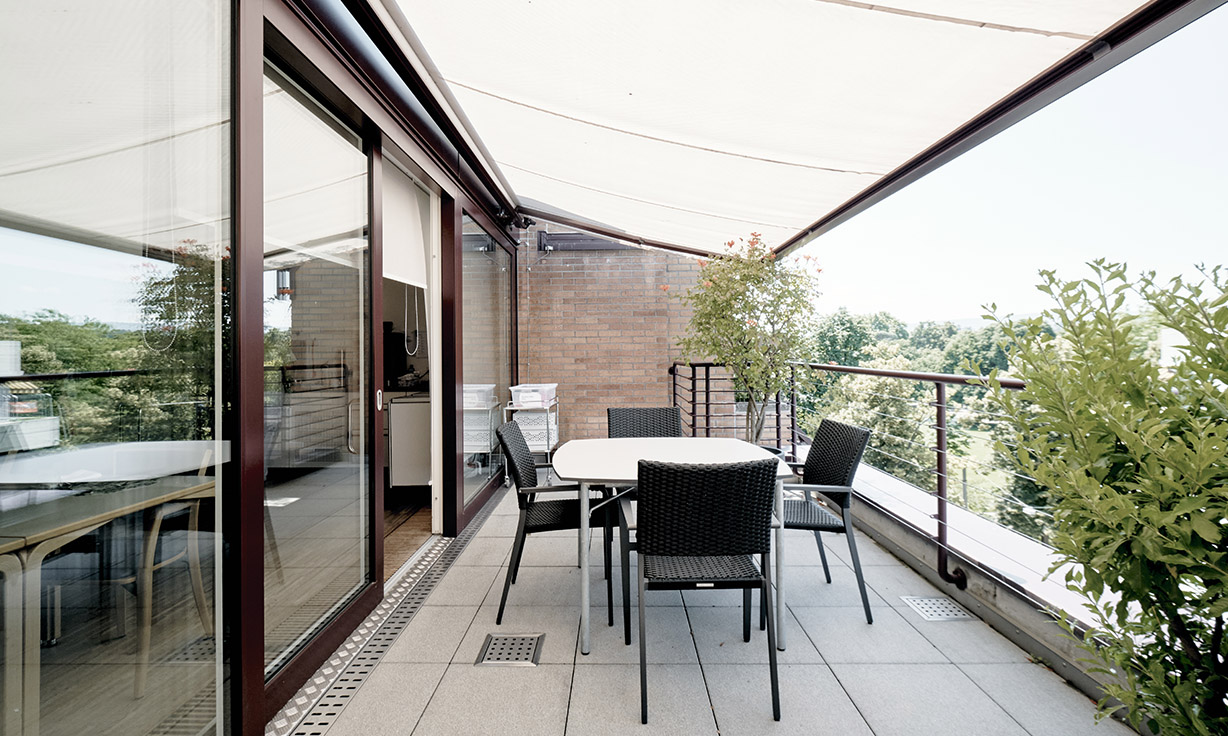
[349, 427]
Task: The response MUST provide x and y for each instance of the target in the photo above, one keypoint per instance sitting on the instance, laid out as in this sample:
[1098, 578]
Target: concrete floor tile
[539, 586]
[486, 552]
[476, 701]
[465, 585]
[390, 702]
[433, 634]
[718, 637]
[842, 635]
[968, 641]
[869, 552]
[1042, 701]
[806, 586]
[911, 699]
[812, 702]
[669, 639]
[606, 700]
[891, 582]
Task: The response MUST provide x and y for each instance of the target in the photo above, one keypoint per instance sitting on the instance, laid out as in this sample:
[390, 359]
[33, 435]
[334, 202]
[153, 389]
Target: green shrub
[1135, 457]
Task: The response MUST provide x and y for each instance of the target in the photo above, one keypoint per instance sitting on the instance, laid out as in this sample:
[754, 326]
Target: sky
[1131, 167]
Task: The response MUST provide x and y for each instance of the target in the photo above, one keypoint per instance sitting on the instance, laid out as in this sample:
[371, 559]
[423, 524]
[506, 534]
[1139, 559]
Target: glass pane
[114, 240]
[315, 327]
[487, 328]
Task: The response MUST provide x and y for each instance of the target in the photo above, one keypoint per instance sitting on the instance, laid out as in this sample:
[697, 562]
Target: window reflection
[114, 228]
[487, 368]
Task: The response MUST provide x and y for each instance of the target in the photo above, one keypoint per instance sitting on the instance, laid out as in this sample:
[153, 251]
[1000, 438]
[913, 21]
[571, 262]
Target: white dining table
[615, 462]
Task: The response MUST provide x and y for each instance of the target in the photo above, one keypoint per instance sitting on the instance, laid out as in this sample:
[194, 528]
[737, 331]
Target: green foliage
[894, 410]
[753, 313]
[1135, 458]
[843, 338]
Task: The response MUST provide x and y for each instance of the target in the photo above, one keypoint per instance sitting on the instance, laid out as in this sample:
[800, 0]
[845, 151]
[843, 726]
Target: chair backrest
[656, 421]
[520, 464]
[718, 509]
[835, 454]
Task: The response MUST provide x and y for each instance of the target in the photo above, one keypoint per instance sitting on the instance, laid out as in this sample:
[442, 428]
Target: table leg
[584, 534]
[32, 601]
[781, 613]
[10, 568]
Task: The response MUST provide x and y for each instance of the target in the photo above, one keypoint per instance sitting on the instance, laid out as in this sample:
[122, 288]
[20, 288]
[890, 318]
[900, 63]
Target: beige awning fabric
[694, 122]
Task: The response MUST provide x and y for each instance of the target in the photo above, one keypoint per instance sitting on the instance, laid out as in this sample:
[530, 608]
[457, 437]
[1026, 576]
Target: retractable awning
[693, 122]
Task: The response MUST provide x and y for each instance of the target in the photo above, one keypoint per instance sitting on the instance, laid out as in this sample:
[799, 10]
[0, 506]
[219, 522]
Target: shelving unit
[538, 424]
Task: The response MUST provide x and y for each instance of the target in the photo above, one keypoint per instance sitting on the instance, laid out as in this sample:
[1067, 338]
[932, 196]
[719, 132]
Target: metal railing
[899, 418]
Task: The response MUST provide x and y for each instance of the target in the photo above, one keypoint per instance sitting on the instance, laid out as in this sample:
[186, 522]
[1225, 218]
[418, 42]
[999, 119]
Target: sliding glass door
[317, 393]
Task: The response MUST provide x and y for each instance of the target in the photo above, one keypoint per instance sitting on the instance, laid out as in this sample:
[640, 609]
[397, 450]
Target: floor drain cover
[511, 650]
[936, 609]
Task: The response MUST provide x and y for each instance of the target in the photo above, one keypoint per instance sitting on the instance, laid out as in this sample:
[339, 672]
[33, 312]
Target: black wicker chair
[701, 526]
[828, 471]
[655, 421]
[549, 515]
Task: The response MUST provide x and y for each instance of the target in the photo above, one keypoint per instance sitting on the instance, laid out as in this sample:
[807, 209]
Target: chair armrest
[549, 489]
[840, 495]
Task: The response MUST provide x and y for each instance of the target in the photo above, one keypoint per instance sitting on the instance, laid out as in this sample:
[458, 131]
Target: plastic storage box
[478, 395]
[534, 394]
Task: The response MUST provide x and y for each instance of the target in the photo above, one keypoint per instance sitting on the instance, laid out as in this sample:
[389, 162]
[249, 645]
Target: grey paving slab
[391, 701]
[812, 702]
[1042, 701]
[911, 699]
[499, 525]
[868, 551]
[801, 550]
[806, 586]
[718, 638]
[432, 635]
[669, 639]
[842, 635]
[606, 700]
[498, 701]
[486, 552]
[893, 581]
[465, 585]
[560, 624]
[540, 586]
[971, 641]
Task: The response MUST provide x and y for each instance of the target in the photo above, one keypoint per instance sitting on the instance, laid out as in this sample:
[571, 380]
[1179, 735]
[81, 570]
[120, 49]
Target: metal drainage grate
[511, 650]
[936, 609]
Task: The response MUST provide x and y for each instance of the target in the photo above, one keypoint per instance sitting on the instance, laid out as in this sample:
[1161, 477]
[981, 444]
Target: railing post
[707, 400]
[778, 425]
[793, 409]
[959, 578]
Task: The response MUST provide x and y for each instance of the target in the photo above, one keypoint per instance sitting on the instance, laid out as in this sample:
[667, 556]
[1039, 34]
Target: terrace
[901, 675]
[278, 245]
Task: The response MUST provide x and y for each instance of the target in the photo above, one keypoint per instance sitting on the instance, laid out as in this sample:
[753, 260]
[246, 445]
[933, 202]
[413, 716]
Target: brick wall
[598, 324]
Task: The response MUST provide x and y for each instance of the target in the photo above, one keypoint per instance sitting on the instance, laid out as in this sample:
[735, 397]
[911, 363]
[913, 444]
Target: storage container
[534, 394]
[478, 395]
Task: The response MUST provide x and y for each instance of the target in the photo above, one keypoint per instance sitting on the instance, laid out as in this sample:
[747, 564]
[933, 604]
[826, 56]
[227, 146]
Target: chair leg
[512, 565]
[766, 591]
[746, 604]
[198, 585]
[609, 574]
[762, 611]
[643, 655]
[144, 592]
[861, 583]
[624, 566]
[822, 555]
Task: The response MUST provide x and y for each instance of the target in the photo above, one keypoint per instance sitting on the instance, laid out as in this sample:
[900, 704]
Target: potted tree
[1133, 453]
[754, 313]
